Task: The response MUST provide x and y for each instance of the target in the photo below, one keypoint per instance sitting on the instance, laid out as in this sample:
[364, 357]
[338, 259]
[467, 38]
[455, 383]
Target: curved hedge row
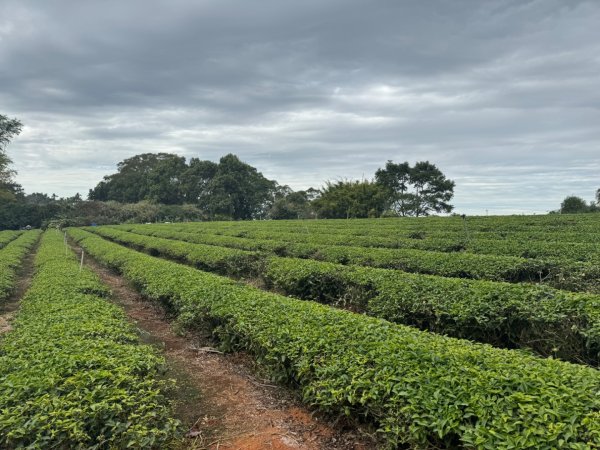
[545, 320]
[580, 223]
[8, 236]
[278, 247]
[11, 257]
[565, 265]
[524, 249]
[72, 371]
[558, 273]
[424, 229]
[422, 389]
[548, 321]
[459, 265]
[223, 260]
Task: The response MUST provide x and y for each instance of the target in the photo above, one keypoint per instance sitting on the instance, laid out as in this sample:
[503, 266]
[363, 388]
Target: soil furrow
[220, 398]
[10, 306]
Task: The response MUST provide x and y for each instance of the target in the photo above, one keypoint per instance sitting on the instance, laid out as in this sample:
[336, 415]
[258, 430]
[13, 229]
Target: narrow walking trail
[10, 306]
[220, 398]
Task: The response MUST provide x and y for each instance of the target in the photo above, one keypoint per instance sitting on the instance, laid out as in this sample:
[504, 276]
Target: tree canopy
[148, 176]
[293, 205]
[350, 199]
[162, 186]
[575, 205]
[227, 189]
[9, 128]
[416, 191]
[237, 190]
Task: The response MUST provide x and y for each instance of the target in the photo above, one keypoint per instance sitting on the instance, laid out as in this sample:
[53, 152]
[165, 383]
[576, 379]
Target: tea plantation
[477, 333]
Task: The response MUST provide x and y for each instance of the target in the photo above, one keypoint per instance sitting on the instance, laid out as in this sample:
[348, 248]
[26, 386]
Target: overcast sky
[503, 96]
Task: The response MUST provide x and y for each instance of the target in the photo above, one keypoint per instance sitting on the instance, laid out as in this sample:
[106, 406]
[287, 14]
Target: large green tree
[148, 176]
[165, 180]
[196, 178]
[228, 189]
[574, 205]
[9, 128]
[237, 191]
[419, 190]
[350, 199]
[291, 205]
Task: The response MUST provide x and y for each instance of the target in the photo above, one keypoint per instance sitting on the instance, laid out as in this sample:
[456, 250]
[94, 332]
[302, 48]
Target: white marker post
[81, 263]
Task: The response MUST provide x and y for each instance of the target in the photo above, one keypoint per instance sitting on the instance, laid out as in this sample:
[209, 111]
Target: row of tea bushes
[404, 228]
[421, 389]
[548, 321]
[11, 257]
[563, 265]
[8, 236]
[72, 371]
[574, 251]
[572, 266]
[224, 260]
[460, 265]
[575, 223]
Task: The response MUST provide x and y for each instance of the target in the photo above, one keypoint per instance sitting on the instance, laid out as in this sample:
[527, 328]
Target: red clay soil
[220, 398]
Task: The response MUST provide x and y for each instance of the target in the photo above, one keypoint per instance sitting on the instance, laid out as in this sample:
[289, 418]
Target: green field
[481, 332]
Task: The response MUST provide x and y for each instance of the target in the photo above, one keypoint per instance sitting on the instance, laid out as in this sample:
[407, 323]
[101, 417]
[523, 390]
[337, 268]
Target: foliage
[205, 257]
[575, 251]
[196, 179]
[237, 190]
[13, 248]
[350, 199]
[154, 187]
[463, 265]
[291, 205]
[547, 261]
[416, 191]
[9, 128]
[574, 205]
[40, 211]
[549, 321]
[423, 390]
[149, 176]
[229, 189]
[72, 371]
[8, 236]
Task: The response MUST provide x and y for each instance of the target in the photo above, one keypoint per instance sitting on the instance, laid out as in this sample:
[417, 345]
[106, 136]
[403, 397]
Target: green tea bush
[8, 236]
[73, 374]
[545, 320]
[423, 390]
[205, 257]
[548, 321]
[573, 251]
[557, 272]
[11, 256]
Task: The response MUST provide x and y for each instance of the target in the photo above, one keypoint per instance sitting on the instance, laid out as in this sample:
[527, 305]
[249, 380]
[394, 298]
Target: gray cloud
[501, 95]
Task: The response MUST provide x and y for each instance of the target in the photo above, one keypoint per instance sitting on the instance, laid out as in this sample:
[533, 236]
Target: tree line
[153, 187]
[232, 189]
[576, 205]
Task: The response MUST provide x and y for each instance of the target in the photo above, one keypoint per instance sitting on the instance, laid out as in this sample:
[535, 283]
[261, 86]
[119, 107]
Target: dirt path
[222, 401]
[9, 308]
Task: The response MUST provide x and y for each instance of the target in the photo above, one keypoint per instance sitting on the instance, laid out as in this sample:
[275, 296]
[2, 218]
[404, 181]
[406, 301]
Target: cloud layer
[501, 95]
